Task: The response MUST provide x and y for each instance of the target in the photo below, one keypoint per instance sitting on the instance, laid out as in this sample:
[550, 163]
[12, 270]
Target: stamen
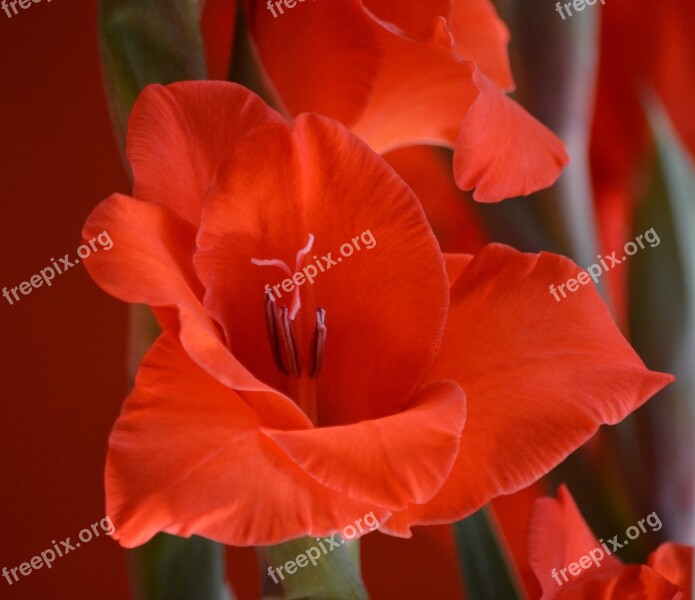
[293, 363]
[272, 262]
[271, 321]
[282, 265]
[297, 300]
[319, 342]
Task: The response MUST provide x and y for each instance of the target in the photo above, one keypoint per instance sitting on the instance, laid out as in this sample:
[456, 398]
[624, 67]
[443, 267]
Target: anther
[285, 336]
[271, 321]
[319, 342]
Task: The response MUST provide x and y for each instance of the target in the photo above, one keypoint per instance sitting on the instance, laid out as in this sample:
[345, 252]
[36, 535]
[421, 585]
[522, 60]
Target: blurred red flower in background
[646, 48]
[245, 442]
[559, 537]
[422, 73]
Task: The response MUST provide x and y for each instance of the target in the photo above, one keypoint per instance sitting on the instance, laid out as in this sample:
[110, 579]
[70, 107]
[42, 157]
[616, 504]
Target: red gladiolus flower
[406, 73]
[450, 213]
[260, 416]
[559, 537]
[660, 34]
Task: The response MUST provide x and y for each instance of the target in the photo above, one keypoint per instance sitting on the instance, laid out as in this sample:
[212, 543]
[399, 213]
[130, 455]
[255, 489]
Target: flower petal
[179, 134]
[421, 94]
[392, 461]
[501, 150]
[633, 581]
[414, 17]
[187, 456]
[385, 304]
[311, 55]
[482, 37]
[427, 170]
[559, 536]
[540, 376]
[675, 563]
[151, 263]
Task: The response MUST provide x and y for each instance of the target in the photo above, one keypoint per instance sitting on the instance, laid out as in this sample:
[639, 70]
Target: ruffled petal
[179, 135]
[558, 536]
[151, 263]
[311, 54]
[441, 99]
[421, 94]
[675, 563]
[501, 150]
[540, 376]
[413, 17]
[187, 456]
[482, 37]
[633, 581]
[391, 462]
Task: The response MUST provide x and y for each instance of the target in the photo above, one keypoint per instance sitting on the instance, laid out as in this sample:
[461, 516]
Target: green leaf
[662, 327]
[333, 572]
[245, 66]
[147, 41]
[174, 568]
[144, 42]
[482, 559]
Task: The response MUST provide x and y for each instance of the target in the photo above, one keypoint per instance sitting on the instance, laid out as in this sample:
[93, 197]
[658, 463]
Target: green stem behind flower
[327, 573]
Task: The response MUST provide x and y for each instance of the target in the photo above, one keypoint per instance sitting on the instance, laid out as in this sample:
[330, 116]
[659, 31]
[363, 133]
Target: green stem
[486, 571]
[312, 568]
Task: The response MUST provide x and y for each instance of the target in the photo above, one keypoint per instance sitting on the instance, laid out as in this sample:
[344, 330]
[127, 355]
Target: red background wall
[62, 348]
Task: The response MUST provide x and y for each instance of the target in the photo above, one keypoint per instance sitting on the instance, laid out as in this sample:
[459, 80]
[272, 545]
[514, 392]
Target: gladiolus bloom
[407, 73]
[395, 380]
[559, 537]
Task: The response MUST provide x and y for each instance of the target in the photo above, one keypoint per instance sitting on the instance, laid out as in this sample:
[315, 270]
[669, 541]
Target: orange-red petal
[322, 57]
[413, 17]
[632, 581]
[675, 563]
[482, 37]
[151, 263]
[366, 460]
[501, 150]
[385, 305]
[559, 536]
[421, 93]
[427, 170]
[187, 456]
[179, 135]
[540, 376]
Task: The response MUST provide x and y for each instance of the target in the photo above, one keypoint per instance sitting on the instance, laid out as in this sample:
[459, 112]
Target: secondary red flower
[645, 47]
[559, 537]
[259, 418]
[407, 72]
[450, 212]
